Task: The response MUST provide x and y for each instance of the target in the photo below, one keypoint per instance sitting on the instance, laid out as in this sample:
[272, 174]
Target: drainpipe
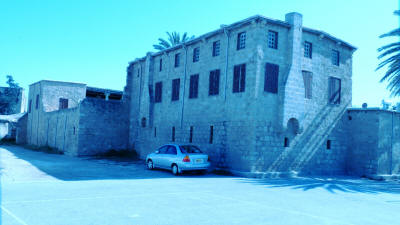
[391, 147]
[226, 59]
[184, 83]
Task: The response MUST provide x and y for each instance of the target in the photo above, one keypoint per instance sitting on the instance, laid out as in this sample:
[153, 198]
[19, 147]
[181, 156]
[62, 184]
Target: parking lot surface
[40, 188]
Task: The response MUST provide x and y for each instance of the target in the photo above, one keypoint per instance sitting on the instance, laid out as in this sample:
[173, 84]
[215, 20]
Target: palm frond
[389, 51]
[173, 40]
[395, 32]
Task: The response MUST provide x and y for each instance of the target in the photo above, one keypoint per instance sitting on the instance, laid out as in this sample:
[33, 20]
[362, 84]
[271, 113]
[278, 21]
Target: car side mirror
[157, 152]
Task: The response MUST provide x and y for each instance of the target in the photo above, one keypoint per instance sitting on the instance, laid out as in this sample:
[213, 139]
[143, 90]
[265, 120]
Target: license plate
[199, 161]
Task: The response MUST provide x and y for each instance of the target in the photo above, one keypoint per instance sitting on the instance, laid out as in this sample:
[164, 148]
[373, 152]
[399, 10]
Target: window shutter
[211, 82]
[217, 82]
[196, 86]
[307, 79]
[242, 78]
[236, 75]
[271, 78]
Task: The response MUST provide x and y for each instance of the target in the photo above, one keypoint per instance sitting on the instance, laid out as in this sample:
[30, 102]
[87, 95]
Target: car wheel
[150, 164]
[175, 170]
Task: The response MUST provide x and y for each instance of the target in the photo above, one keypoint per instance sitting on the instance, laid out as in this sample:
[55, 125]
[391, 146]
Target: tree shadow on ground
[69, 168]
[331, 184]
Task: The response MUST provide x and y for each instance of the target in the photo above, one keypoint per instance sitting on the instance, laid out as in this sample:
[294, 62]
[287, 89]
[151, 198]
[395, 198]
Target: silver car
[178, 158]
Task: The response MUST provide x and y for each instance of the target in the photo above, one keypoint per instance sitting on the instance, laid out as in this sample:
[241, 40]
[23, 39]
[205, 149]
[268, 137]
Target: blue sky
[92, 41]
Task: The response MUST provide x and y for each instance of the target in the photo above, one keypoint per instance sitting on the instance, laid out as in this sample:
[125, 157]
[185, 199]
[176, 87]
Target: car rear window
[190, 149]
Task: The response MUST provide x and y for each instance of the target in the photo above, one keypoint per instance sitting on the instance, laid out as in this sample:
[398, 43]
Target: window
[239, 78]
[308, 49]
[307, 79]
[173, 134]
[211, 134]
[196, 54]
[271, 78]
[160, 64]
[286, 142]
[216, 46]
[191, 135]
[191, 149]
[138, 72]
[194, 86]
[328, 144]
[158, 96]
[171, 150]
[335, 57]
[177, 56]
[163, 149]
[30, 106]
[37, 102]
[63, 103]
[241, 41]
[155, 131]
[272, 39]
[214, 83]
[175, 89]
[334, 90]
[143, 122]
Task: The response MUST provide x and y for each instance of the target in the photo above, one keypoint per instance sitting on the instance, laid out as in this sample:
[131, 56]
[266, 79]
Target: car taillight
[186, 159]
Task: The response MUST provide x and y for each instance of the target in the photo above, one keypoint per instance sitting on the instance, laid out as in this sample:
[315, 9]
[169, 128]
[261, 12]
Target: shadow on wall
[332, 185]
[305, 146]
[69, 168]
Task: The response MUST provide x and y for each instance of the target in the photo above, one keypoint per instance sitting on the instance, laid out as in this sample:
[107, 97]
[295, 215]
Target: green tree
[173, 40]
[10, 97]
[11, 82]
[390, 54]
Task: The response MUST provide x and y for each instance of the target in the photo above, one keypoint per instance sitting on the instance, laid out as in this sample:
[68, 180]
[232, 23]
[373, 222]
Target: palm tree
[174, 39]
[392, 50]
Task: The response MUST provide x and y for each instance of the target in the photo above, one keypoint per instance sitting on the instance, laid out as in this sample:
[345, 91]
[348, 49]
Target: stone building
[259, 96]
[12, 101]
[374, 143]
[76, 119]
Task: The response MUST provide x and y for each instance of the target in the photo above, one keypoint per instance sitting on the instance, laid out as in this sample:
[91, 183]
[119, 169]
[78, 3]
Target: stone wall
[22, 126]
[249, 127]
[374, 147]
[103, 126]
[4, 125]
[88, 126]
[58, 130]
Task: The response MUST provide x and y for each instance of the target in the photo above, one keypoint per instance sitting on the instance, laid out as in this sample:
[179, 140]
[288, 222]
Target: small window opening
[155, 131]
[328, 144]
[286, 142]
[173, 134]
[143, 122]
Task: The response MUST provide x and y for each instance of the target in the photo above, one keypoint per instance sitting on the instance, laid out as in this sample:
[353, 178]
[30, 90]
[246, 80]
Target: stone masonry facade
[61, 116]
[274, 124]
[262, 97]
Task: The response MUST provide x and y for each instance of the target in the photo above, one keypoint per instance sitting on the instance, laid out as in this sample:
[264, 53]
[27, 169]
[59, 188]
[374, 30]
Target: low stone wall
[374, 147]
[22, 127]
[58, 130]
[103, 126]
[3, 129]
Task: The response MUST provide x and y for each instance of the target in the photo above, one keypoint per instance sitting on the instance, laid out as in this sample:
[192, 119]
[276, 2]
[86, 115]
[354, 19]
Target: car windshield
[189, 149]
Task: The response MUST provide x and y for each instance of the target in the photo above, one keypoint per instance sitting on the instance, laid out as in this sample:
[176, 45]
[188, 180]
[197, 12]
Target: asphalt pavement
[40, 188]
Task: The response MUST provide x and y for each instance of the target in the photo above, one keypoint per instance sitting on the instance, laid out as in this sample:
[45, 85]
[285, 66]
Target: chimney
[295, 19]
